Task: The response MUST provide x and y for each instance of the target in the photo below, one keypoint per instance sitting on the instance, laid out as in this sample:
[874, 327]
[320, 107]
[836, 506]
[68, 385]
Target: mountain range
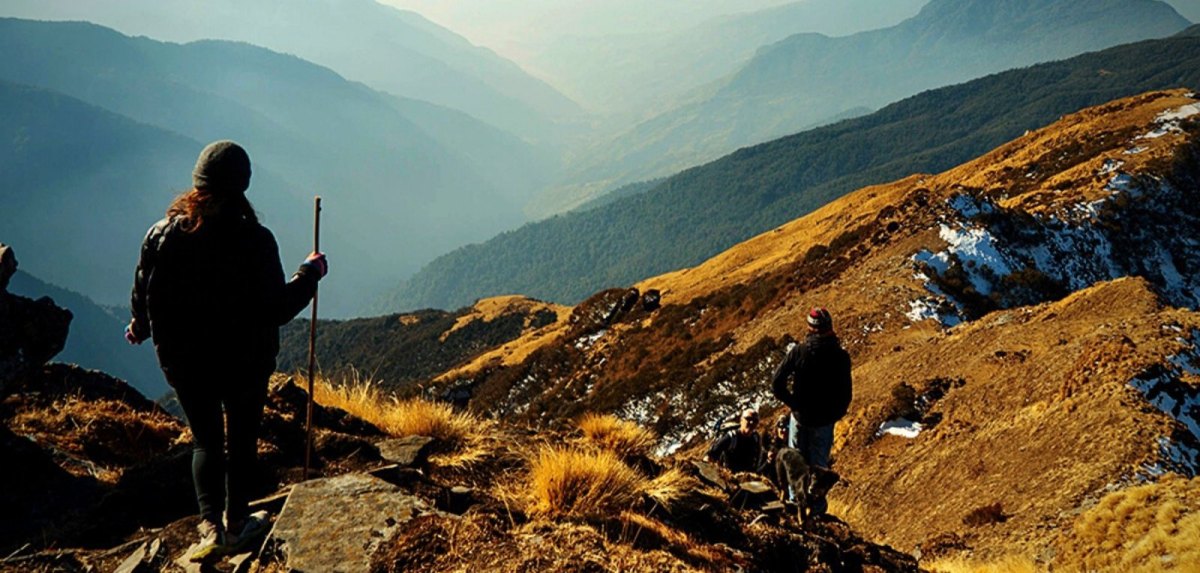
[699, 212]
[806, 80]
[640, 74]
[392, 50]
[393, 171]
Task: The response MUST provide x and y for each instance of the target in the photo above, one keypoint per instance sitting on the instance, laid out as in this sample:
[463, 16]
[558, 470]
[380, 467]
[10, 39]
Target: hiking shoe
[247, 531]
[212, 543]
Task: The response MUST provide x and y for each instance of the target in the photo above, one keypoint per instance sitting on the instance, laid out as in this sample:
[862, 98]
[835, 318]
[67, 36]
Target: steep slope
[392, 50]
[384, 178]
[1067, 259]
[95, 339]
[697, 213]
[809, 79]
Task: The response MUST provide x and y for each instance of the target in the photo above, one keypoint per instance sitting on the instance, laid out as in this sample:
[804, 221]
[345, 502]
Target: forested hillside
[699, 212]
[808, 80]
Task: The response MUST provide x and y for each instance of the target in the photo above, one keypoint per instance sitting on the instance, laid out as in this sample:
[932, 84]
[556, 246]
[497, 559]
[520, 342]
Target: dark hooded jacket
[213, 299]
[821, 389]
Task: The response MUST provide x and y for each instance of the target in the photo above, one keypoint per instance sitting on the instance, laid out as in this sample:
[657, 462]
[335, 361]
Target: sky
[514, 27]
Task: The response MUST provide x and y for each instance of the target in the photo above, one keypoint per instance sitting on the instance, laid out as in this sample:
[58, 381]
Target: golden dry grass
[465, 435]
[1151, 527]
[1007, 564]
[670, 487]
[621, 437]
[569, 482]
[103, 436]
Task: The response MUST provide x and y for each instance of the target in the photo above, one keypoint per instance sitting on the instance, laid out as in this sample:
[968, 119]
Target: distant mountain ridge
[699, 212]
[393, 50]
[386, 179]
[642, 74]
[808, 79]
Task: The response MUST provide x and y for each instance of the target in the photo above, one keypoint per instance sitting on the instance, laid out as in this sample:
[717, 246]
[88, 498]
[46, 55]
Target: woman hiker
[210, 290]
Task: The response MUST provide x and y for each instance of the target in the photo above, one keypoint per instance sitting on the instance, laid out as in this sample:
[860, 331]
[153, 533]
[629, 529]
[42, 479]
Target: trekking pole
[312, 344]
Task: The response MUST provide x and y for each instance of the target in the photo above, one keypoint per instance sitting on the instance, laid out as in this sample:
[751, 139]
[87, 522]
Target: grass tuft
[670, 487]
[1007, 564]
[568, 482]
[1150, 527]
[464, 436]
[624, 438]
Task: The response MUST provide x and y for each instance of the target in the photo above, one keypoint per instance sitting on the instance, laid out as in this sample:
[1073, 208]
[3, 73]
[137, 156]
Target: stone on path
[408, 451]
[335, 524]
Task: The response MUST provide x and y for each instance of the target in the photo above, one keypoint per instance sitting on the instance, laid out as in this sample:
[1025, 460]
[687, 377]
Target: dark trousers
[223, 471]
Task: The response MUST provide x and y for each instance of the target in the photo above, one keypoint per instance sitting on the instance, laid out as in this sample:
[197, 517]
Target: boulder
[8, 266]
[335, 524]
[31, 331]
[409, 451]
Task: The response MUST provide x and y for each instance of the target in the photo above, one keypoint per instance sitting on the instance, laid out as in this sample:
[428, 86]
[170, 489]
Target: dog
[808, 484]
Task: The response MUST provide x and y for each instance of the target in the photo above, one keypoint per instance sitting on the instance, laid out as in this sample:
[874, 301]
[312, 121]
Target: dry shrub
[670, 487]
[465, 436]
[1151, 527]
[105, 436]
[985, 515]
[624, 438]
[1007, 564]
[567, 482]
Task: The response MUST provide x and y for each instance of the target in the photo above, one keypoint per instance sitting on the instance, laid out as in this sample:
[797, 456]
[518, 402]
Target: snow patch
[586, 342]
[902, 427]
[922, 309]
[1168, 121]
[1179, 113]
[1111, 166]
[1166, 391]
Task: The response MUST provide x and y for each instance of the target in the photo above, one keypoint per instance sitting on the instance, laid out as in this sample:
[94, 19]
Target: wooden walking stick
[312, 344]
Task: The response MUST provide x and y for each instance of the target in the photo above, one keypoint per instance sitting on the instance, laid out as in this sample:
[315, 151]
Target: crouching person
[739, 449]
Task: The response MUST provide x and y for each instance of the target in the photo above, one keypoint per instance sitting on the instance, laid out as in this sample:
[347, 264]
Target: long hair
[196, 206]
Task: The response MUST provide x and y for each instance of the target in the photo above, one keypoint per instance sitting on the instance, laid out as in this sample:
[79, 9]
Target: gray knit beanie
[223, 167]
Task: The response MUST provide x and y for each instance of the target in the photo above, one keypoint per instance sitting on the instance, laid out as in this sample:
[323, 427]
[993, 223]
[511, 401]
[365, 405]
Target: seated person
[739, 449]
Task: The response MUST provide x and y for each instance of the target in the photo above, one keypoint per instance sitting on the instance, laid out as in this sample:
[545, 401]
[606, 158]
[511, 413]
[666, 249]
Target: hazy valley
[1010, 251]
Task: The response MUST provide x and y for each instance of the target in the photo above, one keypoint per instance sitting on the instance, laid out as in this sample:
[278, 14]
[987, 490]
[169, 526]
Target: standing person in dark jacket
[820, 392]
[210, 290]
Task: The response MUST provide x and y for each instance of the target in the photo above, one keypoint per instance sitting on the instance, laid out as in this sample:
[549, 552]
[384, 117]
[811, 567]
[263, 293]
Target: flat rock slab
[755, 488]
[710, 473]
[408, 451]
[335, 524]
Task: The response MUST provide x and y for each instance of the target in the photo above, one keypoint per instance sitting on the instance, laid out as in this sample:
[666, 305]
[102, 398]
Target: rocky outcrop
[31, 331]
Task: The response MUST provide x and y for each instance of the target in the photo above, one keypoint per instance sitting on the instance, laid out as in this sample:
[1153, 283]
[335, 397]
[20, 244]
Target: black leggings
[220, 482]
